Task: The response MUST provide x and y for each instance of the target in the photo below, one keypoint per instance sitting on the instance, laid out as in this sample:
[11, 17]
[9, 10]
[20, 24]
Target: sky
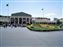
[51, 8]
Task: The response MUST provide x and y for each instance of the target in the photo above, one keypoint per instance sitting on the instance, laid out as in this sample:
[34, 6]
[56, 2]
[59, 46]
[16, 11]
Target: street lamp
[42, 12]
[7, 5]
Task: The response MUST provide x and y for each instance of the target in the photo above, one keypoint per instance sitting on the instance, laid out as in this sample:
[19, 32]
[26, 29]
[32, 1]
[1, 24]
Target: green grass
[43, 27]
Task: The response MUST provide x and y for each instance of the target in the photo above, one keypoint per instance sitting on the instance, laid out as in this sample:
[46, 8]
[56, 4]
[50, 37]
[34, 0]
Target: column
[22, 20]
[14, 21]
[18, 20]
[26, 20]
[29, 20]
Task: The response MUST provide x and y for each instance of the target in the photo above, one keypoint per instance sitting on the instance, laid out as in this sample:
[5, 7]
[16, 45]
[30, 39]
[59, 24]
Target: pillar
[14, 21]
[18, 20]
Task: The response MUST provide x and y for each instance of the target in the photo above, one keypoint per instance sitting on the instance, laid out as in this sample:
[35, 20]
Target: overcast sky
[51, 8]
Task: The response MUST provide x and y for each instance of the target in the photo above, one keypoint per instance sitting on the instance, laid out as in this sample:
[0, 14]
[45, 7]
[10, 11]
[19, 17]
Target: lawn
[41, 27]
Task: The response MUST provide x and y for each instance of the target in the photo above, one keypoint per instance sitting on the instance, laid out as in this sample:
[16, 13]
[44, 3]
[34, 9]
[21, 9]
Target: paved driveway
[22, 37]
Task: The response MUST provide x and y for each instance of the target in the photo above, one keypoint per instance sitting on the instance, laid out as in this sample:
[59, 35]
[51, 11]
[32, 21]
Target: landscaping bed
[44, 27]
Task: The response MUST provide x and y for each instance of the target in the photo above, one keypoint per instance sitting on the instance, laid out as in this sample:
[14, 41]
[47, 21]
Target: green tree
[59, 22]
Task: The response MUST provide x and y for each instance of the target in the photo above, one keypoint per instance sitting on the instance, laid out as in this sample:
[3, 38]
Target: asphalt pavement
[22, 37]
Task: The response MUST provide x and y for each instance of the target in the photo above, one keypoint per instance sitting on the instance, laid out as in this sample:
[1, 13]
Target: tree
[59, 22]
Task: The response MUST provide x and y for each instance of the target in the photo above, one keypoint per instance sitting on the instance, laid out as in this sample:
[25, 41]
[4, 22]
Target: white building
[5, 19]
[42, 20]
[21, 18]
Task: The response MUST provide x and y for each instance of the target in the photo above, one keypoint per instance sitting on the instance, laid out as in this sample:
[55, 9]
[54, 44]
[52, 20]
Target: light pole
[7, 5]
[42, 12]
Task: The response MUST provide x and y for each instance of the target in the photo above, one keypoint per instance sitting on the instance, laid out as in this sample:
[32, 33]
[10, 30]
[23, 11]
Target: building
[42, 20]
[21, 19]
[4, 19]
